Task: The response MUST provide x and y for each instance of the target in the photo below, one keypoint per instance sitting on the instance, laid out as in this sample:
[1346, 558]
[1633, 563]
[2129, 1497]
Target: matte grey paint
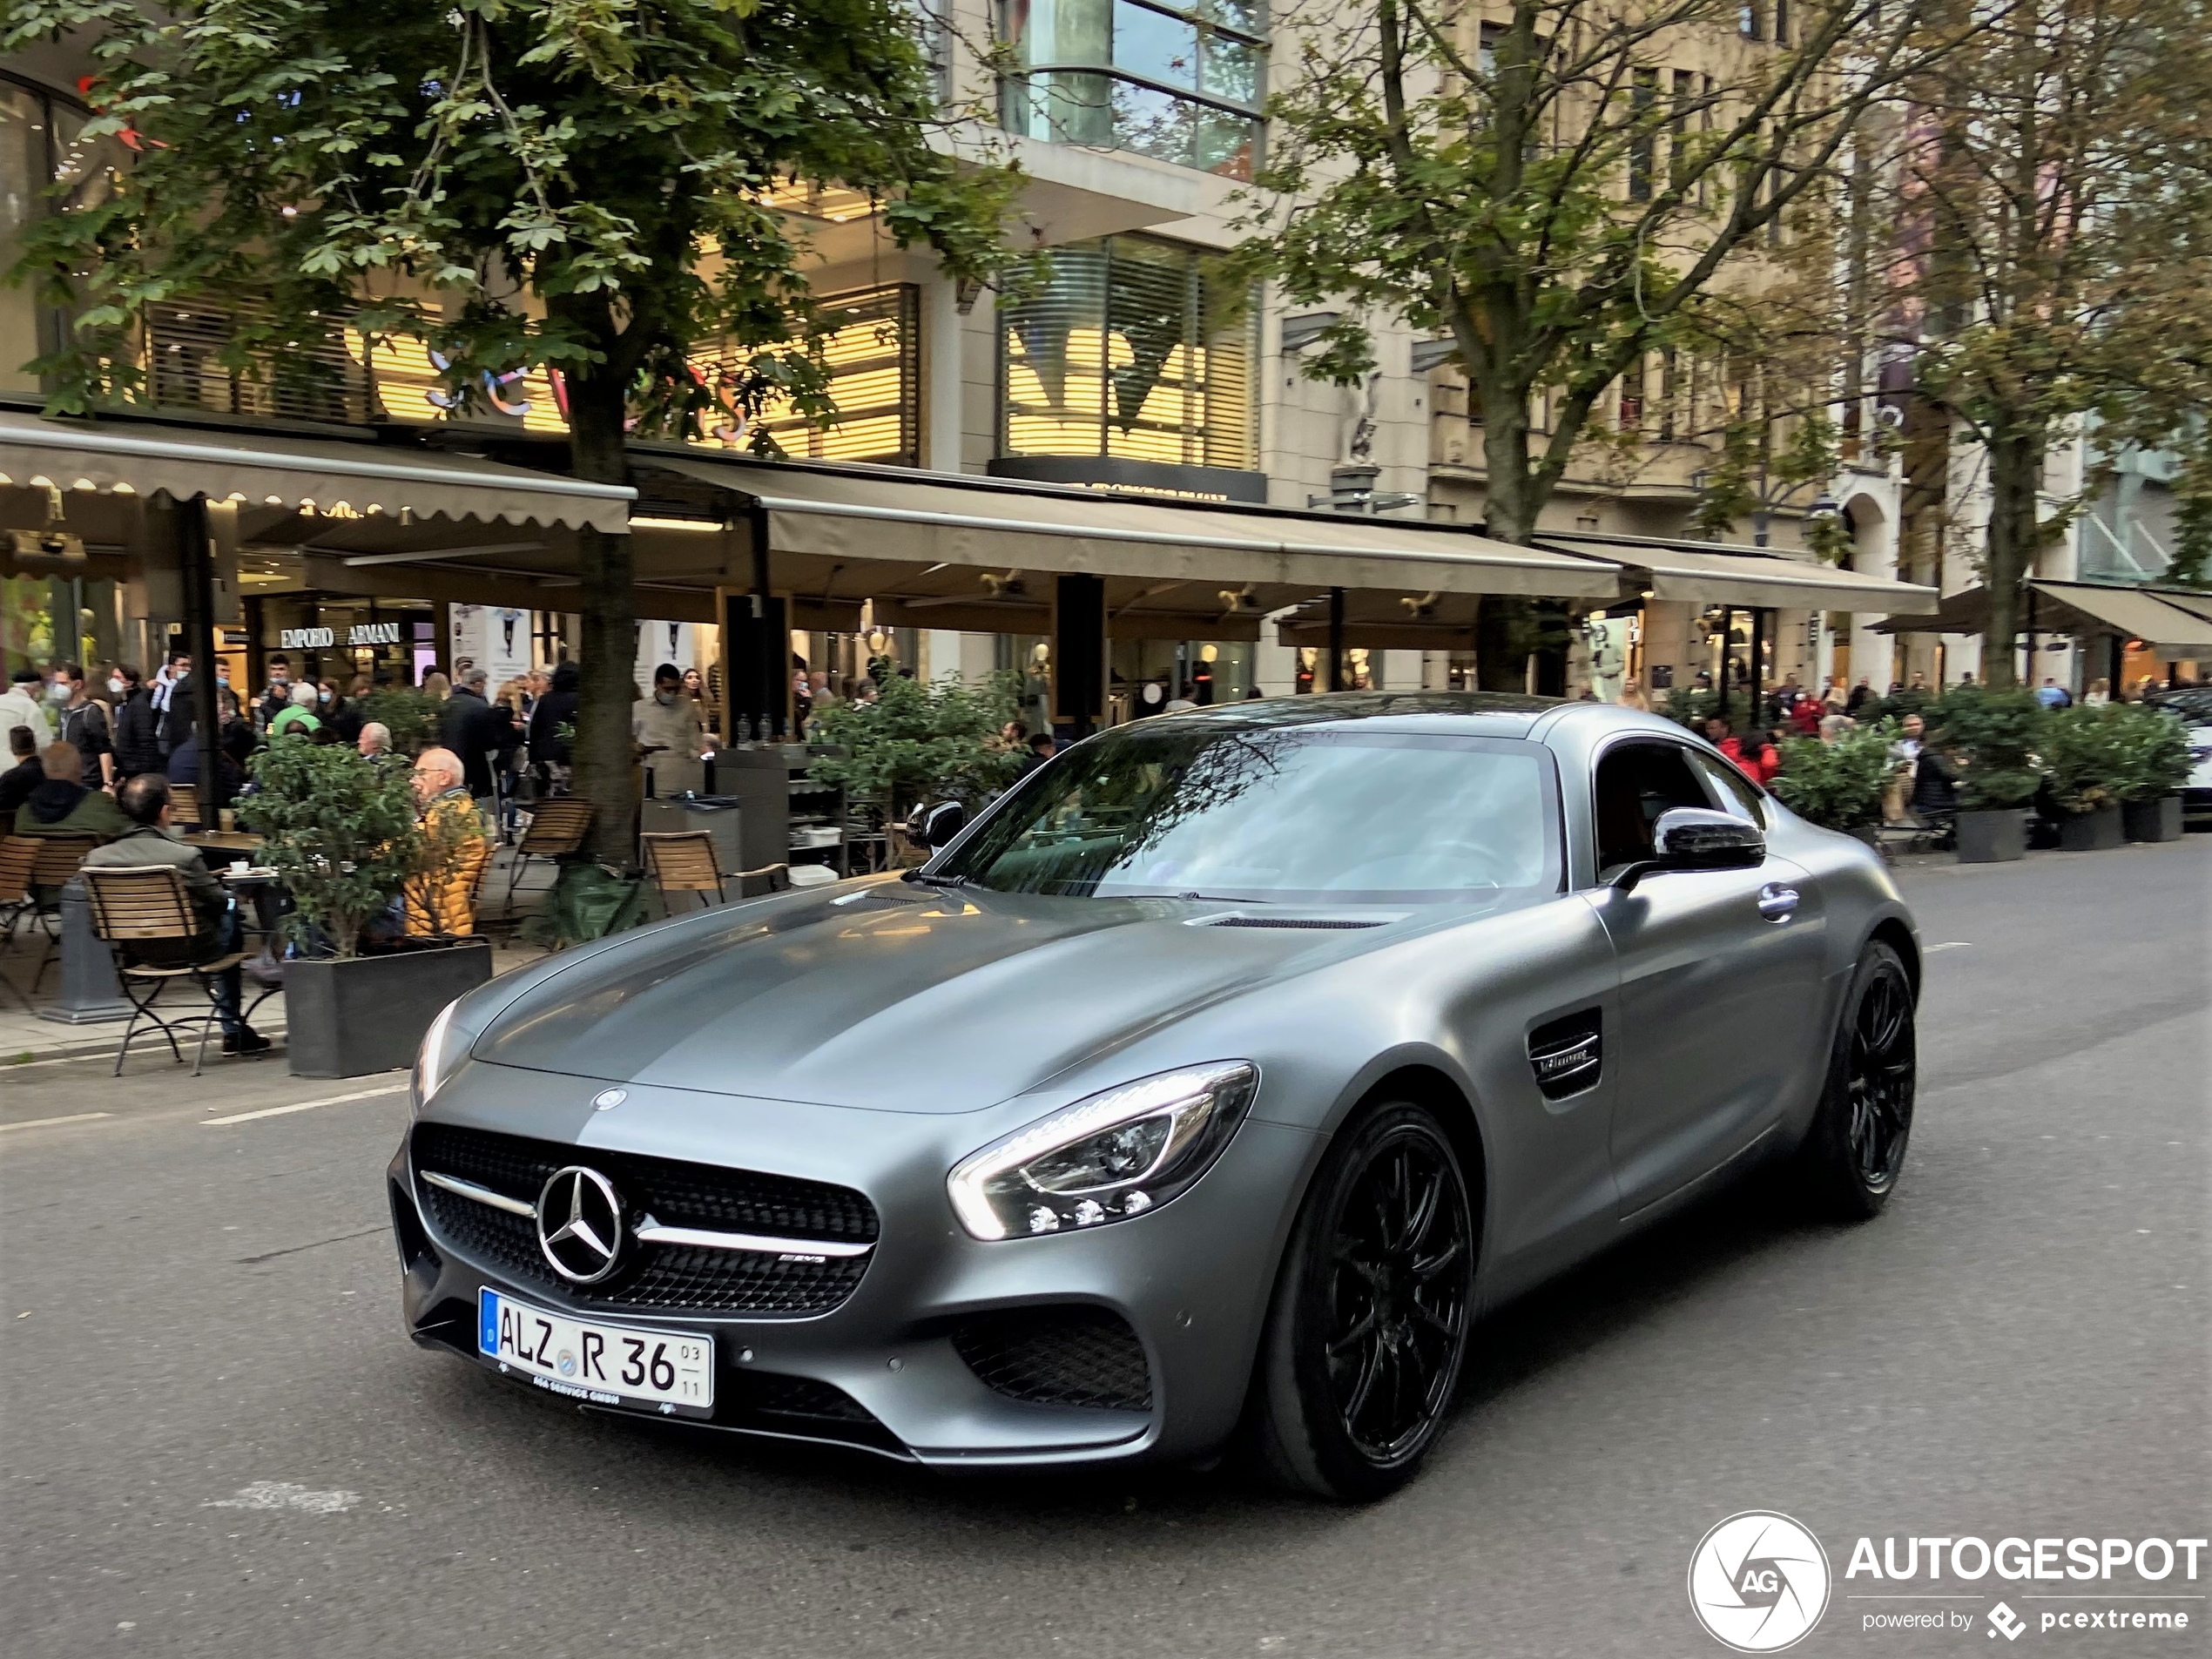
[872, 1034]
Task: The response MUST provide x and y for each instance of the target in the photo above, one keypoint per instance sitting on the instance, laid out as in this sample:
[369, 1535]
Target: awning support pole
[1759, 670]
[196, 561]
[1079, 652]
[1336, 639]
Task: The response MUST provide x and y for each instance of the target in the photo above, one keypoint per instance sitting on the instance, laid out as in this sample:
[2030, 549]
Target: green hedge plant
[340, 830]
[410, 715]
[2154, 752]
[918, 743]
[2084, 752]
[1838, 786]
[1996, 737]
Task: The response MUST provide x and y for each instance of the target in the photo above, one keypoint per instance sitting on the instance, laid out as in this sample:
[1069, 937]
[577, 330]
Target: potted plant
[410, 715]
[2082, 758]
[339, 829]
[1992, 737]
[1840, 785]
[2155, 765]
[919, 743]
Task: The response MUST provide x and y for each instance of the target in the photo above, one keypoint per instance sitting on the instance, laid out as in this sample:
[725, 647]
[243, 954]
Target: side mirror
[937, 826]
[1690, 838]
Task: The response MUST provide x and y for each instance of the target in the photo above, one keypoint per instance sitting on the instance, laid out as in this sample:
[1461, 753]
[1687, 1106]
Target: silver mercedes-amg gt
[1203, 1092]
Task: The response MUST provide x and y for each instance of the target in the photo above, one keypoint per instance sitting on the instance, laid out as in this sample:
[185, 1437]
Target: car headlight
[443, 1048]
[1114, 1155]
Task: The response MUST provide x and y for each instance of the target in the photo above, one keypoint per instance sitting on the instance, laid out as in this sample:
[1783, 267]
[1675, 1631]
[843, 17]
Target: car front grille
[1058, 1356]
[655, 1277]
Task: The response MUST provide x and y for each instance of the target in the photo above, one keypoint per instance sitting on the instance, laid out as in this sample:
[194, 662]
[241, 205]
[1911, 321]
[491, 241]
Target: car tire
[1377, 1283]
[1854, 1152]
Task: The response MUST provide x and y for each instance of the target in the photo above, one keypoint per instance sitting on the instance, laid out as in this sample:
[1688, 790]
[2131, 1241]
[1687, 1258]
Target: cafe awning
[2174, 630]
[329, 479]
[1710, 573]
[2169, 624]
[857, 517]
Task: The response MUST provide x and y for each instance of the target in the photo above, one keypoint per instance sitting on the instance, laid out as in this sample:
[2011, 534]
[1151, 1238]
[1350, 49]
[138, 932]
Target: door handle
[1778, 902]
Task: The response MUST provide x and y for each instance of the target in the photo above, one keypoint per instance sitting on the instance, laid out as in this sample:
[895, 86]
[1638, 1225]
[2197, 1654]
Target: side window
[1733, 792]
[1636, 783]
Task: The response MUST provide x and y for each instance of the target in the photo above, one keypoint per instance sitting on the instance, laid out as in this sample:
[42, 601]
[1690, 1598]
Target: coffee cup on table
[239, 867]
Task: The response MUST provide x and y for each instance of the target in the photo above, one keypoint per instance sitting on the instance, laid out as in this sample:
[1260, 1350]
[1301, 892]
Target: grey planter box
[2152, 821]
[1993, 838]
[345, 1019]
[2097, 831]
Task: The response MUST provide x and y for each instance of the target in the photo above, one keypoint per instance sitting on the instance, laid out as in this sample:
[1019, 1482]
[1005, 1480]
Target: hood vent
[1318, 923]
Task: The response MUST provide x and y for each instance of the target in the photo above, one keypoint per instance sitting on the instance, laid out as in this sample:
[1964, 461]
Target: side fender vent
[1567, 1055]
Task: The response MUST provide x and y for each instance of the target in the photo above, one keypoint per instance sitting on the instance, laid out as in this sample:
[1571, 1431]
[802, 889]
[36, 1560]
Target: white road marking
[303, 1105]
[286, 1494]
[1956, 944]
[47, 1122]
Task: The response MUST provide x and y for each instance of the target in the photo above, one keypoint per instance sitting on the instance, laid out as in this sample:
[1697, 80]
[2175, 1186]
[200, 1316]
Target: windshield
[1300, 816]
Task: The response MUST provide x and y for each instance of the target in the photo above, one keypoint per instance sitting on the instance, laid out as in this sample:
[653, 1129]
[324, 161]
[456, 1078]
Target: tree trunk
[2015, 473]
[1505, 624]
[605, 757]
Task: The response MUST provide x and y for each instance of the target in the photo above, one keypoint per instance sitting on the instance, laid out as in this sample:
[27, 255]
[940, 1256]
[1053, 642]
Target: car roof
[1488, 714]
[1468, 714]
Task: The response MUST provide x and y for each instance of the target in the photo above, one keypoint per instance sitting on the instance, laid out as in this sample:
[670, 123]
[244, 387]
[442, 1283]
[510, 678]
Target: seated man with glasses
[145, 801]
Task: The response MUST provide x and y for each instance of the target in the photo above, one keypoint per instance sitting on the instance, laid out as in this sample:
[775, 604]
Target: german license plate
[671, 1373]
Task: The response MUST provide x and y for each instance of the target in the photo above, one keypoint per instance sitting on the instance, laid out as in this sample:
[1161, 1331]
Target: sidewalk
[24, 1037]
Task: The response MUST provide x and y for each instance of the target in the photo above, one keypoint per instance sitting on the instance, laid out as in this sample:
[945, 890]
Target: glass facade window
[872, 353]
[1129, 350]
[1181, 83]
[40, 149]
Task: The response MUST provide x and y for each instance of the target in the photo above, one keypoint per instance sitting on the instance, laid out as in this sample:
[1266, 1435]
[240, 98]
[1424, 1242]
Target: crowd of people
[101, 755]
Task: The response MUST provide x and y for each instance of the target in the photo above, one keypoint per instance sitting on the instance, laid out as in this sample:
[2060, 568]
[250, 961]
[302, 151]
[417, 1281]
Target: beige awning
[2174, 630]
[332, 479]
[853, 514]
[1721, 574]
[2170, 624]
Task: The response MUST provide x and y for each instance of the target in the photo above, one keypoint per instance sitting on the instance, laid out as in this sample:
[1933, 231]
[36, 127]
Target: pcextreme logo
[1758, 1582]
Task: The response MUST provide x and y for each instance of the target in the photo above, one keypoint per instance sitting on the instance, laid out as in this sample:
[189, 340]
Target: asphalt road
[217, 1442]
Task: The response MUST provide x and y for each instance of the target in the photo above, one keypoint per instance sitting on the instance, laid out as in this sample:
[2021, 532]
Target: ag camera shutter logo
[1758, 1582]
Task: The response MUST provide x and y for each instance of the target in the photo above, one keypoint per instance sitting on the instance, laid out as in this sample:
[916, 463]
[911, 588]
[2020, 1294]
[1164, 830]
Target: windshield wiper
[919, 879]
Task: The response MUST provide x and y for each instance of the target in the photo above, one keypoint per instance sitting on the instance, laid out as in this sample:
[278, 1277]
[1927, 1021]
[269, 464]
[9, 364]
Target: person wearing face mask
[277, 696]
[84, 726]
[24, 703]
[666, 724]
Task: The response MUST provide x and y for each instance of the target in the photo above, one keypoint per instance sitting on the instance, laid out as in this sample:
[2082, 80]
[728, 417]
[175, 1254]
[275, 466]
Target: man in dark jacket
[61, 805]
[25, 775]
[185, 768]
[138, 728]
[481, 732]
[554, 710]
[145, 802]
[84, 725]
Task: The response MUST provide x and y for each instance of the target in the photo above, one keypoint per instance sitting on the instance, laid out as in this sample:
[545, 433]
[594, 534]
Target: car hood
[897, 997]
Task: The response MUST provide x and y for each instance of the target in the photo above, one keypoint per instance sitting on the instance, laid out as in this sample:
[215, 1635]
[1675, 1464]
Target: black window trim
[1661, 739]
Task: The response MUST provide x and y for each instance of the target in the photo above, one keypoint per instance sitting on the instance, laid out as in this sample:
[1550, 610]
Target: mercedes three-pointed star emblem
[579, 1224]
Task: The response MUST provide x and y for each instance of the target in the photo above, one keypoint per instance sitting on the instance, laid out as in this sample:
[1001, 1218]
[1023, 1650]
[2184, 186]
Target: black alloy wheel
[1853, 1153]
[1369, 1329]
[1879, 1076]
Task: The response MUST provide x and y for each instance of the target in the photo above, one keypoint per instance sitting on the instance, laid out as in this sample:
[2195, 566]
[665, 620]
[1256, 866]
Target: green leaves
[919, 743]
[1838, 785]
[1997, 736]
[607, 148]
[341, 833]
